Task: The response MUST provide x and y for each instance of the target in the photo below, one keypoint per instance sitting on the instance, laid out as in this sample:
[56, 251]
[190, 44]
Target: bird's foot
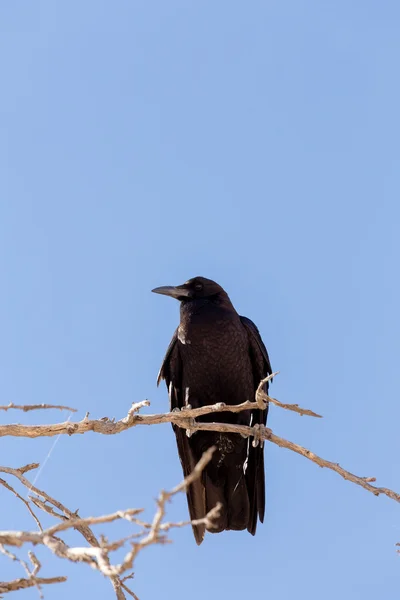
[190, 429]
[257, 433]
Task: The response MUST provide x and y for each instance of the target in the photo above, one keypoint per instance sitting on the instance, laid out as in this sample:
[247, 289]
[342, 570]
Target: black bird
[214, 356]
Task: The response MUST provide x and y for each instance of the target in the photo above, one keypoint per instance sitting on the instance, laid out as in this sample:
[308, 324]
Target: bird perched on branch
[216, 355]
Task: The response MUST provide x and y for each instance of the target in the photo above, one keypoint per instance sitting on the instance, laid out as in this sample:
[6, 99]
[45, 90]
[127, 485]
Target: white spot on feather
[246, 462]
[181, 337]
[186, 396]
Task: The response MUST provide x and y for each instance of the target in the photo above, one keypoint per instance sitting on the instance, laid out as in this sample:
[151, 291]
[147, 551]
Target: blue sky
[144, 143]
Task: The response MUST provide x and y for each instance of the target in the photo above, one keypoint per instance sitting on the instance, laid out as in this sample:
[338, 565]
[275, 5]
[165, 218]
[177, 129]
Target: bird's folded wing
[171, 372]
[261, 362]
[255, 476]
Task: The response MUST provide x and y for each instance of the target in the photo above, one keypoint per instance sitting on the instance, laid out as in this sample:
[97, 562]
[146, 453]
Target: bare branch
[266, 434]
[19, 474]
[29, 407]
[97, 554]
[22, 584]
[185, 419]
[128, 591]
[154, 536]
[108, 426]
[58, 546]
[78, 522]
[32, 580]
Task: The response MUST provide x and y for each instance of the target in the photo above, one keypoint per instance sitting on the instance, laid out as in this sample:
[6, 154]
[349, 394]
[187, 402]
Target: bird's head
[194, 289]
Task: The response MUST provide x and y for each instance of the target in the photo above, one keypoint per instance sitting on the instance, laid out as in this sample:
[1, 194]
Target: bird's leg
[190, 421]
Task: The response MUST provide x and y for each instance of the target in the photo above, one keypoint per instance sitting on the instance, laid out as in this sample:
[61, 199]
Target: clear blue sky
[143, 143]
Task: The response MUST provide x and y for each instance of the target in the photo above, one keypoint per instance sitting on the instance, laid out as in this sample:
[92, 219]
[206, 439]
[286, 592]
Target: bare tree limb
[97, 553]
[108, 426]
[186, 419]
[266, 434]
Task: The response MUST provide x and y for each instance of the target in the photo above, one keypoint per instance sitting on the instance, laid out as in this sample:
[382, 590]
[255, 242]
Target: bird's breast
[216, 362]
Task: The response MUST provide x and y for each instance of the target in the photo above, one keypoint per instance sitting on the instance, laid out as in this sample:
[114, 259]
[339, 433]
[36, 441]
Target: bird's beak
[173, 291]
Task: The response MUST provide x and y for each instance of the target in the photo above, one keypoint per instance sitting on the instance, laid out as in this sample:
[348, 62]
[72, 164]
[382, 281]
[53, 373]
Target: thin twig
[29, 407]
[78, 522]
[11, 489]
[262, 399]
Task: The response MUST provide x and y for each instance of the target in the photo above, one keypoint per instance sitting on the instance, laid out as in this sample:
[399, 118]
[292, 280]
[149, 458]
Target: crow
[215, 355]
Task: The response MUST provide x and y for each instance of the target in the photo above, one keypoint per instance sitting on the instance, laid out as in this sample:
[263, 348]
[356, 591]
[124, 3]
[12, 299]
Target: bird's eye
[198, 287]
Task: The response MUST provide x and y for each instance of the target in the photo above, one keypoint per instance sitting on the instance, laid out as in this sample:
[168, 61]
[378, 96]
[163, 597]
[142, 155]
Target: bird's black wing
[255, 475]
[171, 371]
[165, 367]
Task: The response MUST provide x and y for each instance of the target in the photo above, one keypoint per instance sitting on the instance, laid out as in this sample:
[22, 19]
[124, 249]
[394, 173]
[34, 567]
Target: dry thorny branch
[97, 554]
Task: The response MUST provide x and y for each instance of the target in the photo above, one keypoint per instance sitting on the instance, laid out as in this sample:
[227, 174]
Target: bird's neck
[206, 308]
